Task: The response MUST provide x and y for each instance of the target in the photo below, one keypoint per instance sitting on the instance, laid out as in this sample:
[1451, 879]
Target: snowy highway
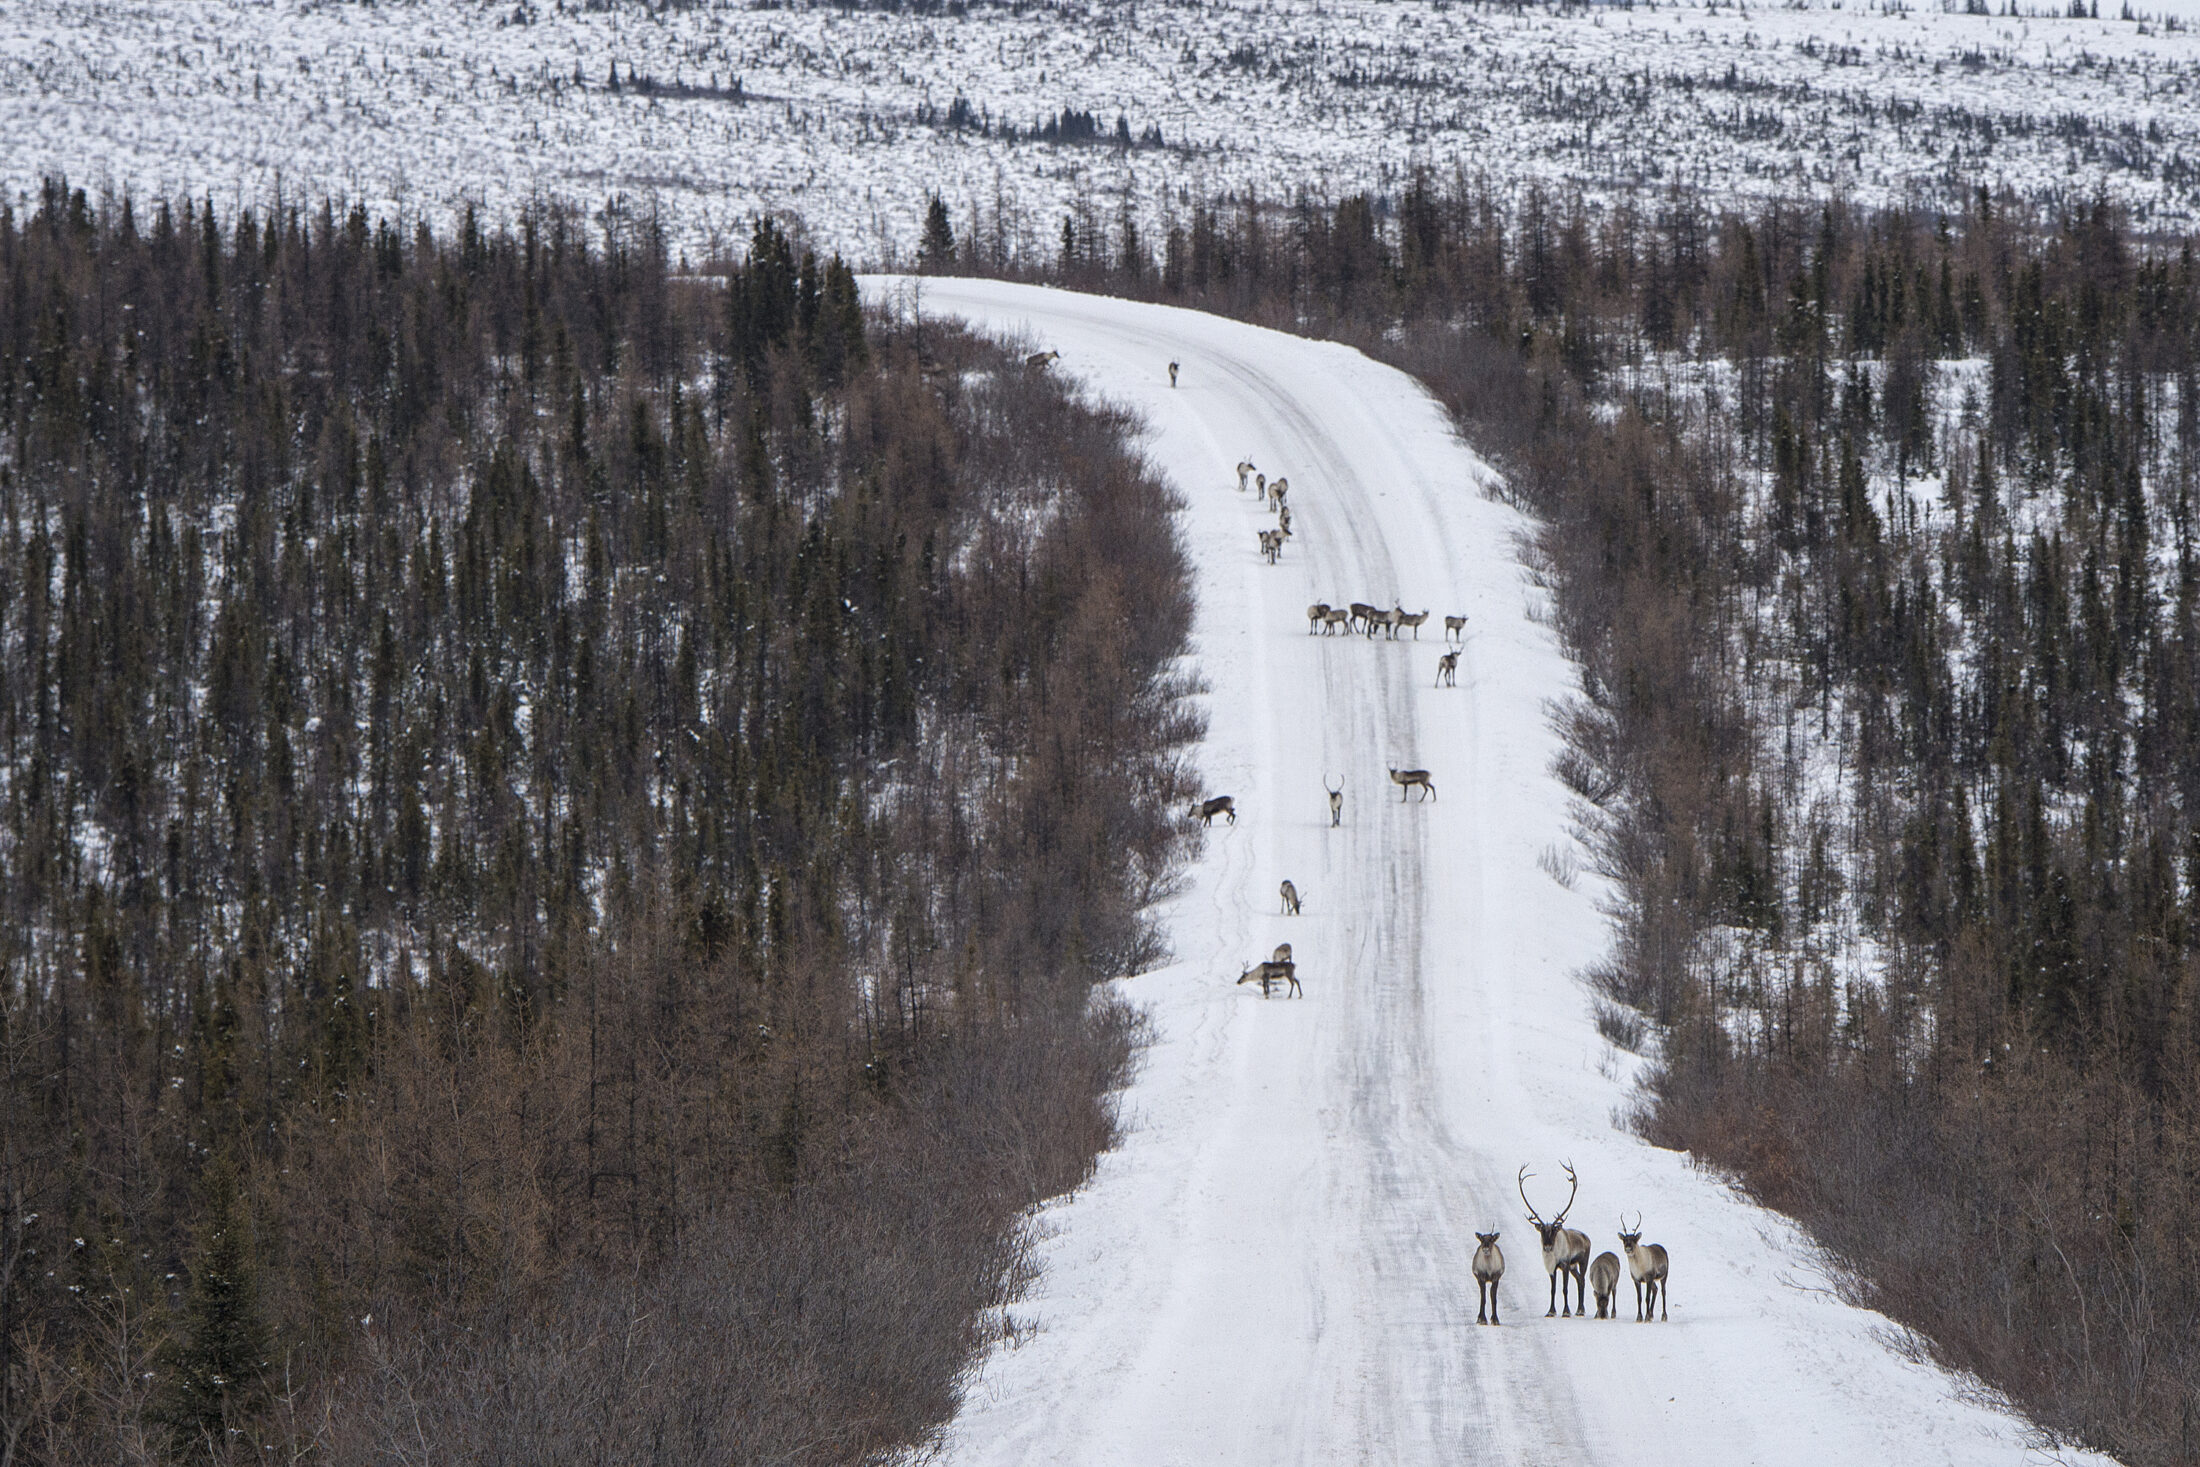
[1273, 1267]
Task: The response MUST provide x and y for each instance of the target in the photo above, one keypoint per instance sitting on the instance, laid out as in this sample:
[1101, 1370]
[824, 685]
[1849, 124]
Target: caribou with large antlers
[1647, 1266]
[1489, 1267]
[1565, 1251]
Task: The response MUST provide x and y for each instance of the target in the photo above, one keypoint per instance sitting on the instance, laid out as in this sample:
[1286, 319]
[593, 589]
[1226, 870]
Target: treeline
[1873, 535]
[557, 824]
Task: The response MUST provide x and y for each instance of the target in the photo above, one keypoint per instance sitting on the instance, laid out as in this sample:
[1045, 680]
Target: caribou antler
[1569, 1207]
[1522, 1183]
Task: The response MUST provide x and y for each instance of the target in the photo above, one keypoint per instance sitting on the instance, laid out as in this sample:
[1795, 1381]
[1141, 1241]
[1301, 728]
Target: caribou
[1205, 811]
[1172, 374]
[1455, 627]
[1271, 545]
[1604, 1283]
[1336, 803]
[1316, 615]
[1039, 361]
[1282, 954]
[1283, 518]
[1260, 486]
[1363, 616]
[1565, 1251]
[1273, 974]
[1336, 618]
[1409, 779]
[1290, 898]
[1647, 1266]
[1245, 471]
[1404, 618]
[1447, 670]
[1489, 1267]
[1277, 488]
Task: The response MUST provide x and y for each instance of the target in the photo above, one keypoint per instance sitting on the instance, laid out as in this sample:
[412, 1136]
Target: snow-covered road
[1274, 1265]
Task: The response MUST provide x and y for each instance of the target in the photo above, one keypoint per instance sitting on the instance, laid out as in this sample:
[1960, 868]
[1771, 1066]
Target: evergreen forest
[558, 818]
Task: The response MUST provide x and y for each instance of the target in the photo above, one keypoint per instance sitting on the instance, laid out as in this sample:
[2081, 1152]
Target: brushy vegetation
[1873, 533]
[557, 827]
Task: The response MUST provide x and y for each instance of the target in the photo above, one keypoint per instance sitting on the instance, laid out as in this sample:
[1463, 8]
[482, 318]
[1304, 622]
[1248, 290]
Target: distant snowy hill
[848, 117]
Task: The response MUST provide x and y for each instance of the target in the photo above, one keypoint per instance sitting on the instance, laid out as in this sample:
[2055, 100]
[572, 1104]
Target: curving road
[1274, 1266]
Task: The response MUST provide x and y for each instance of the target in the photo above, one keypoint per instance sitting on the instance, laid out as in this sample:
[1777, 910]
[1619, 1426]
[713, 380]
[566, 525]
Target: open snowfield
[844, 116]
[1274, 1265]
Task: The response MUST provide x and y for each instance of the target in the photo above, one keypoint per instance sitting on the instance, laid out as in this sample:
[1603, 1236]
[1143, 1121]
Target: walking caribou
[1408, 779]
[1245, 471]
[1565, 1251]
[1489, 1267]
[1447, 670]
[1647, 1266]
[1206, 810]
[1604, 1283]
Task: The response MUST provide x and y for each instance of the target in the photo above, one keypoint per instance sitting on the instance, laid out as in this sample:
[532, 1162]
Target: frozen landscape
[848, 117]
[1274, 1266]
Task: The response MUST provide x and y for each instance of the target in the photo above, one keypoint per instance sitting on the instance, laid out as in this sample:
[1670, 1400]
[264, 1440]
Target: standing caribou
[1455, 626]
[1172, 374]
[1604, 1283]
[1039, 361]
[1316, 615]
[1290, 898]
[1206, 810]
[1245, 471]
[1410, 779]
[1336, 803]
[1447, 670]
[1565, 1251]
[1489, 1267]
[1401, 617]
[1647, 1266]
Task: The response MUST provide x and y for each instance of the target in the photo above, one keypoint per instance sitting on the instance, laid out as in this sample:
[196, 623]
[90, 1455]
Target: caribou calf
[1648, 1267]
[1290, 898]
[1489, 1267]
[1206, 810]
[1410, 779]
[1447, 670]
[1273, 974]
[1604, 1283]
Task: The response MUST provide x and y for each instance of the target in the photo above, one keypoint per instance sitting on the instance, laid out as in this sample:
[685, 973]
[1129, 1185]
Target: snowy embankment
[709, 113]
[1274, 1265]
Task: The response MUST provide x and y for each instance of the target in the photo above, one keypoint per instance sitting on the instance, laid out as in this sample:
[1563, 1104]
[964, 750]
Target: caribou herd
[1572, 1274]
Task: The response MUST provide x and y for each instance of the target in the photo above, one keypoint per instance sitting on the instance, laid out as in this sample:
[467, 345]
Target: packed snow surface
[708, 113]
[1274, 1266]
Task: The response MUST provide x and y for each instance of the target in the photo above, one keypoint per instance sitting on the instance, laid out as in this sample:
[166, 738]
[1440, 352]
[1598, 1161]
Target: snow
[1273, 1266]
[842, 115]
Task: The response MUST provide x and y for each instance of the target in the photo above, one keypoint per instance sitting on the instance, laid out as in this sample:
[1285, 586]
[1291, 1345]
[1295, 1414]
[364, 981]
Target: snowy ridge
[1273, 1266]
[710, 114]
